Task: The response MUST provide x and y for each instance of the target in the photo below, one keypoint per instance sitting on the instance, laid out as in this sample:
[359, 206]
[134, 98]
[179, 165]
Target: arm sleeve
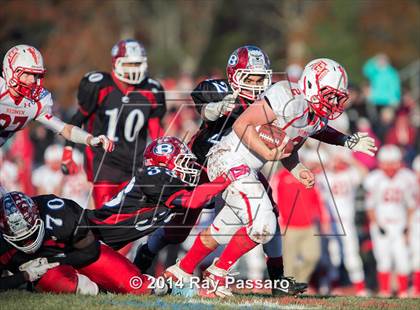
[199, 196]
[79, 258]
[331, 136]
[291, 162]
[206, 92]
[11, 282]
[46, 118]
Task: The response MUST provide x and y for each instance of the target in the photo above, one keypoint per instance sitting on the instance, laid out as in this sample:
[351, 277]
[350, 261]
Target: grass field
[24, 300]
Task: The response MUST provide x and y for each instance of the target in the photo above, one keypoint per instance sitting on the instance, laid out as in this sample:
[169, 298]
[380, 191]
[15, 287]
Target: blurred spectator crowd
[381, 106]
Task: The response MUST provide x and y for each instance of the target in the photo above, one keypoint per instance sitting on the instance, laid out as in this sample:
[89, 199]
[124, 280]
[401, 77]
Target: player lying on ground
[127, 105]
[248, 219]
[46, 240]
[220, 102]
[167, 185]
[23, 99]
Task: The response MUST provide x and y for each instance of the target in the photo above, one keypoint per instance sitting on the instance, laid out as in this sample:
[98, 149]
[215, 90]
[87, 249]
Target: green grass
[24, 300]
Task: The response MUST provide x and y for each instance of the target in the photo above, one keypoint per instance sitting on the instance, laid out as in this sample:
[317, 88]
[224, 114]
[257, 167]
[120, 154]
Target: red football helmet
[129, 61]
[20, 223]
[22, 59]
[172, 153]
[243, 62]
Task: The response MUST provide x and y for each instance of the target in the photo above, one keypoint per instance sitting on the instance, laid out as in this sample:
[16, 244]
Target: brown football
[273, 136]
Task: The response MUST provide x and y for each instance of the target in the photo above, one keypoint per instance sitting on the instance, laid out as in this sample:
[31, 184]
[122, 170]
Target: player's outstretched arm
[259, 113]
[78, 135]
[359, 141]
[203, 193]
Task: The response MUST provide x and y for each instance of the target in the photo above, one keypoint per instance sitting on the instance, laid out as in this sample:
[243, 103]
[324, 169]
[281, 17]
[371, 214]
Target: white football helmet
[129, 61]
[324, 86]
[390, 159]
[24, 59]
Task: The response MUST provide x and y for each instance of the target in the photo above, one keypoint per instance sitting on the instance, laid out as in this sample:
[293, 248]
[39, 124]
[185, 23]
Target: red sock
[195, 255]
[237, 246]
[275, 267]
[402, 283]
[383, 279]
[359, 286]
[416, 281]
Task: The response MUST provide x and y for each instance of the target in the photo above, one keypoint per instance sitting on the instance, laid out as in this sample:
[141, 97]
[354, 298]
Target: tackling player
[248, 218]
[24, 99]
[165, 187]
[127, 105]
[56, 229]
[220, 102]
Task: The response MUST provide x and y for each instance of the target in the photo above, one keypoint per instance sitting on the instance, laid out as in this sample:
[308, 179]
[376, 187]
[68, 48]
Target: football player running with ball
[24, 99]
[220, 102]
[127, 105]
[248, 219]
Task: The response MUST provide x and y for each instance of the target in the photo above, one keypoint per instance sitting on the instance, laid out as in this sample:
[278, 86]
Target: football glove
[36, 268]
[213, 110]
[68, 166]
[102, 140]
[361, 142]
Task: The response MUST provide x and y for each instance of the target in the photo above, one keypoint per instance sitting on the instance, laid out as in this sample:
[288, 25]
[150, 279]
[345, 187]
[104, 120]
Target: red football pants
[111, 272]
[103, 192]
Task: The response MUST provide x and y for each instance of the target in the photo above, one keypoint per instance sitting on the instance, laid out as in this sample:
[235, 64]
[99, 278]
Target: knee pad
[86, 286]
[263, 230]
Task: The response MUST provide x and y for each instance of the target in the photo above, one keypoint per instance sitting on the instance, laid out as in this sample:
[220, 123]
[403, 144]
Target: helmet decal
[233, 60]
[174, 155]
[163, 149]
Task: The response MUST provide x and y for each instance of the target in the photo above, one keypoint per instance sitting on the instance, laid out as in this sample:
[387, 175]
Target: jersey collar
[123, 87]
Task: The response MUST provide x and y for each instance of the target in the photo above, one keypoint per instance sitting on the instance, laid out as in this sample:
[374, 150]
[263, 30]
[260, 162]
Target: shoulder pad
[154, 83]
[97, 77]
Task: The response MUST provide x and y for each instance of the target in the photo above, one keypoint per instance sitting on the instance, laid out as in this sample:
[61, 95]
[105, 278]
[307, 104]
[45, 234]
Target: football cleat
[288, 286]
[179, 281]
[215, 282]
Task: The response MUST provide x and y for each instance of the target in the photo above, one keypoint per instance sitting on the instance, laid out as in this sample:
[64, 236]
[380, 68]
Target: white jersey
[47, 179]
[390, 197]
[9, 176]
[341, 190]
[77, 188]
[291, 110]
[14, 117]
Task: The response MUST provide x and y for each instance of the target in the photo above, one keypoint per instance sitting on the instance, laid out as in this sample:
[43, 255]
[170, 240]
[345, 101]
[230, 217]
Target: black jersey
[138, 209]
[211, 132]
[122, 115]
[65, 224]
